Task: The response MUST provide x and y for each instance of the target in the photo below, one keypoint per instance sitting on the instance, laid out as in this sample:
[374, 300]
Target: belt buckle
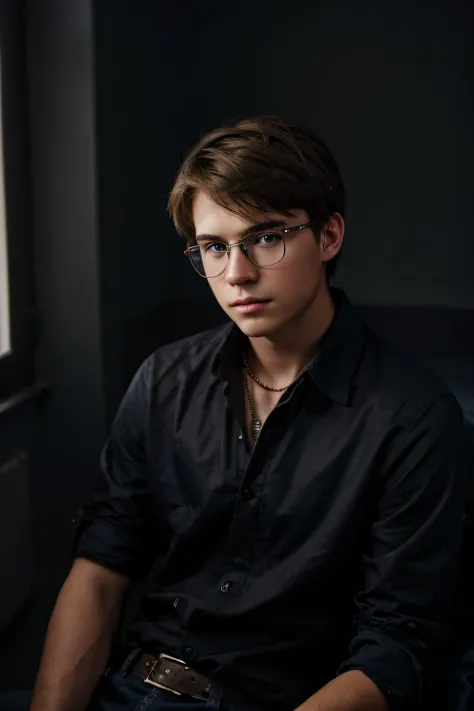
[148, 680]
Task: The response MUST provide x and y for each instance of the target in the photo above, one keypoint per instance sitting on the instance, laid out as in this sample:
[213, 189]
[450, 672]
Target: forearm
[79, 639]
[352, 691]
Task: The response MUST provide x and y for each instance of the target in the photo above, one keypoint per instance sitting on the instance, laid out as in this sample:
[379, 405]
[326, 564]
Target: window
[5, 340]
[16, 292]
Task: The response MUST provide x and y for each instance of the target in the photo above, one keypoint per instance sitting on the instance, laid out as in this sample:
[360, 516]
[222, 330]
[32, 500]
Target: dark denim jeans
[122, 690]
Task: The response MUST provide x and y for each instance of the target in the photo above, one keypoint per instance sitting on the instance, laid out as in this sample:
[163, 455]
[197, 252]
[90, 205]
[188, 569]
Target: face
[289, 289]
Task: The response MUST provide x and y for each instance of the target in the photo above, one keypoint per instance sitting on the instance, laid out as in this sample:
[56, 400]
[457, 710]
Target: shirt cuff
[122, 552]
[390, 665]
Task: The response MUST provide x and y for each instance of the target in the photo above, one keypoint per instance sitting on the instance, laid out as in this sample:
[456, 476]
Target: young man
[297, 482]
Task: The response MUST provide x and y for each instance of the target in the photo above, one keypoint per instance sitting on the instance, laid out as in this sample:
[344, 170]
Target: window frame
[17, 366]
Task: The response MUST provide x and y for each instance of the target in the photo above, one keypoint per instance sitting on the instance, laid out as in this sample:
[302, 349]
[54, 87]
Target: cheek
[217, 287]
[299, 274]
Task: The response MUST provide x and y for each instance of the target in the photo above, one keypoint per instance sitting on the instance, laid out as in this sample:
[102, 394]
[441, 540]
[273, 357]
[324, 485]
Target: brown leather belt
[173, 675]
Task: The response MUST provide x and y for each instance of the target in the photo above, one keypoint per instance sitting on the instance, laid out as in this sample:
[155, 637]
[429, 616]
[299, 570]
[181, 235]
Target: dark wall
[63, 435]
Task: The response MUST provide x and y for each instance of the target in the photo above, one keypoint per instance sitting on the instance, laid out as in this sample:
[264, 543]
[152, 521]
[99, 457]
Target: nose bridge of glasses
[237, 264]
[242, 247]
[240, 243]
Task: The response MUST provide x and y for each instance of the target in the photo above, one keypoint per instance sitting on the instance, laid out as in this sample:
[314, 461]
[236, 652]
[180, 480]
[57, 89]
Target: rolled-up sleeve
[403, 612]
[116, 528]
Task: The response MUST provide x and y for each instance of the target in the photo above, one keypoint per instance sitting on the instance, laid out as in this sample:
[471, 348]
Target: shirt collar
[333, 367]
[229, 345]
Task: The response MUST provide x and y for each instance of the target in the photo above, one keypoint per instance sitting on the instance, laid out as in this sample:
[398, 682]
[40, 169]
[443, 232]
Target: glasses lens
[265, 249]
[210, 260]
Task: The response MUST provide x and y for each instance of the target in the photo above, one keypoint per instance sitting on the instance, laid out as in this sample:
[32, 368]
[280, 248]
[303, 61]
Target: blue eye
[209, 248]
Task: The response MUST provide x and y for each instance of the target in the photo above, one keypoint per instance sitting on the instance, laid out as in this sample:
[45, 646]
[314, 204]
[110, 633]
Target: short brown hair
[260, 163]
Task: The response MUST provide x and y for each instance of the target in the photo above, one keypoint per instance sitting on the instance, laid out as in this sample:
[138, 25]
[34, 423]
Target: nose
[239, 267]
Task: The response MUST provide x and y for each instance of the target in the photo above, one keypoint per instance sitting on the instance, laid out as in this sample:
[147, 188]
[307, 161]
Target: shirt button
[188, 651]
[225, 587]
[247, 494]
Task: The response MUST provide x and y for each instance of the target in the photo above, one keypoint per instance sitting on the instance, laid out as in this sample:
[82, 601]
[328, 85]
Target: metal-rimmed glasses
[264, 249]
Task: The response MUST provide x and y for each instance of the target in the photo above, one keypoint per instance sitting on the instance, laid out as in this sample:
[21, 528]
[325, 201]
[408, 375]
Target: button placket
[247, 495]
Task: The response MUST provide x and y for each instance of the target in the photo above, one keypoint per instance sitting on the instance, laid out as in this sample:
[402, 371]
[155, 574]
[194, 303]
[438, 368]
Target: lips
[249, 300]
[250, 306]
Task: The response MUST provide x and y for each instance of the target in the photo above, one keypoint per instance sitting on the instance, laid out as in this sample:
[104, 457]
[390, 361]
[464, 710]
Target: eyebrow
[268, 225]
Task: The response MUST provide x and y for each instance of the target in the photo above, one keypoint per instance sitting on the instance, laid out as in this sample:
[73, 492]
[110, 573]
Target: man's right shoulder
[187, 355]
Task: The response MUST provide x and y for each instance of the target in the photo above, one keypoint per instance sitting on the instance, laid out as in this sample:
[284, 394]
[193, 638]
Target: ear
[332, 237]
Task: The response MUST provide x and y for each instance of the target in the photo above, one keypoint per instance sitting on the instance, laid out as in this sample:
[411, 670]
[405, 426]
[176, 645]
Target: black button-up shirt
[330, 545]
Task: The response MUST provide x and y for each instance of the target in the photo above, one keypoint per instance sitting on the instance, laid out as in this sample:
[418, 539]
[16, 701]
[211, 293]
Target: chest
[312, 473]
[258, 404]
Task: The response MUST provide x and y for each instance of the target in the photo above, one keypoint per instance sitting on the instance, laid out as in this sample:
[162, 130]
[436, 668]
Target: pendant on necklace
[255, 427]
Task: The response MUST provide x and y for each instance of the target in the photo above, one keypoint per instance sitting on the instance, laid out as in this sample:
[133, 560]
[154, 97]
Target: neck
[278, 360]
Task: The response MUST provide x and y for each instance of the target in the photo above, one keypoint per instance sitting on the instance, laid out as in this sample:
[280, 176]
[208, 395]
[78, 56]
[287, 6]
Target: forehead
[209, 217]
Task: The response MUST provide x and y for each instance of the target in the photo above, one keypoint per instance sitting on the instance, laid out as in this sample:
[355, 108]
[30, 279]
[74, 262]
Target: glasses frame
[241, 243]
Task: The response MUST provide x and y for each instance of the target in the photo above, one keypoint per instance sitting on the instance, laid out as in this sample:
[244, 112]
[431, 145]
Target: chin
[258, 327]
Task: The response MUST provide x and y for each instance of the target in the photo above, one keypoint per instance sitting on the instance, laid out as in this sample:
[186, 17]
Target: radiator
[16, 554]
